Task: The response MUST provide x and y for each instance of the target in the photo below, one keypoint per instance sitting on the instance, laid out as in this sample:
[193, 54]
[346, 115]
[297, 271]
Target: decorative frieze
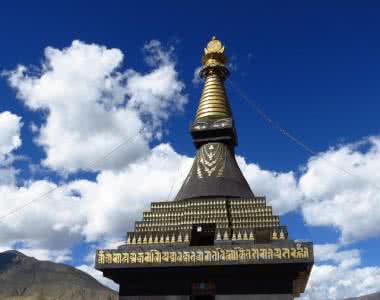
[199, 256]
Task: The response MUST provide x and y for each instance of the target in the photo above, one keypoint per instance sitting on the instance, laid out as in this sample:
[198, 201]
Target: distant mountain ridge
[375, 296]
[26, 278]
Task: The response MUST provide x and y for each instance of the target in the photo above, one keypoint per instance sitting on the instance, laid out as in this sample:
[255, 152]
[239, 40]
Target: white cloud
[92, 210]
[53, 222]
[196, 78]
[98, 276]
[280, 189]
[10, 140]
[7, 175]
[10, 126]
[158, 93]
[55, 255]
[116, 200]
[58, 256]
[326, 195]
[337, 275]
[330, 252]
[349, 203]
[331, 282]
[92, 105]
[89, 261]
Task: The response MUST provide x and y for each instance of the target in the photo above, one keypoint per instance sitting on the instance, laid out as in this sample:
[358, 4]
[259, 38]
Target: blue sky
[312, 67]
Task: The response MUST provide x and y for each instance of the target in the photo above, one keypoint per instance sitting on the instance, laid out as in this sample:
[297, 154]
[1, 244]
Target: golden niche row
[166, 238]
[259, 201]
[251, 222]
[202, 256]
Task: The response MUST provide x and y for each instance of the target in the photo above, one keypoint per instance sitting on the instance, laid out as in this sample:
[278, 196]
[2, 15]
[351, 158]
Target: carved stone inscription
[202, 256]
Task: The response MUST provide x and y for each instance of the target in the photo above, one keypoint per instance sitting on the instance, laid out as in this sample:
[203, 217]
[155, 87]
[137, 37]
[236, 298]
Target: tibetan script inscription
[200, 256]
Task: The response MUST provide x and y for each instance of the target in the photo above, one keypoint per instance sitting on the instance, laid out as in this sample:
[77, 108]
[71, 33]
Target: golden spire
[214, 103]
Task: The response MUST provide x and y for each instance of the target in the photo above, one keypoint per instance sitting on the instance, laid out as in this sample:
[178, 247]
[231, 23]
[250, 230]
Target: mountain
[26, 278]
[375, 296]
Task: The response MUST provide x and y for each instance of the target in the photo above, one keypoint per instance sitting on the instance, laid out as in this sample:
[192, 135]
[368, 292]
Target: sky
[96, 99]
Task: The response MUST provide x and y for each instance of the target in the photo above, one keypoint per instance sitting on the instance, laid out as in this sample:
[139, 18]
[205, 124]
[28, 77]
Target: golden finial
[214, 46]
[214, 53]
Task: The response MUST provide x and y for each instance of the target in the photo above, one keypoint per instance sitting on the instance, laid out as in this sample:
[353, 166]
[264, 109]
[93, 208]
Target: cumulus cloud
[92, 105]
[196, 78]
[325, 193]
[338, 274]
[132, 190]
[58, 256]
[280, 189]
[10, 140]
[99, 276]
[89, 261]
[91, 210]
[10, 126]
[344, 258]
[52, 222]
[158, 93]
[7, 175]
[349, 203]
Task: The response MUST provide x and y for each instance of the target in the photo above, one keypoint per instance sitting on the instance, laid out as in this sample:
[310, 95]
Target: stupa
[216, 240]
